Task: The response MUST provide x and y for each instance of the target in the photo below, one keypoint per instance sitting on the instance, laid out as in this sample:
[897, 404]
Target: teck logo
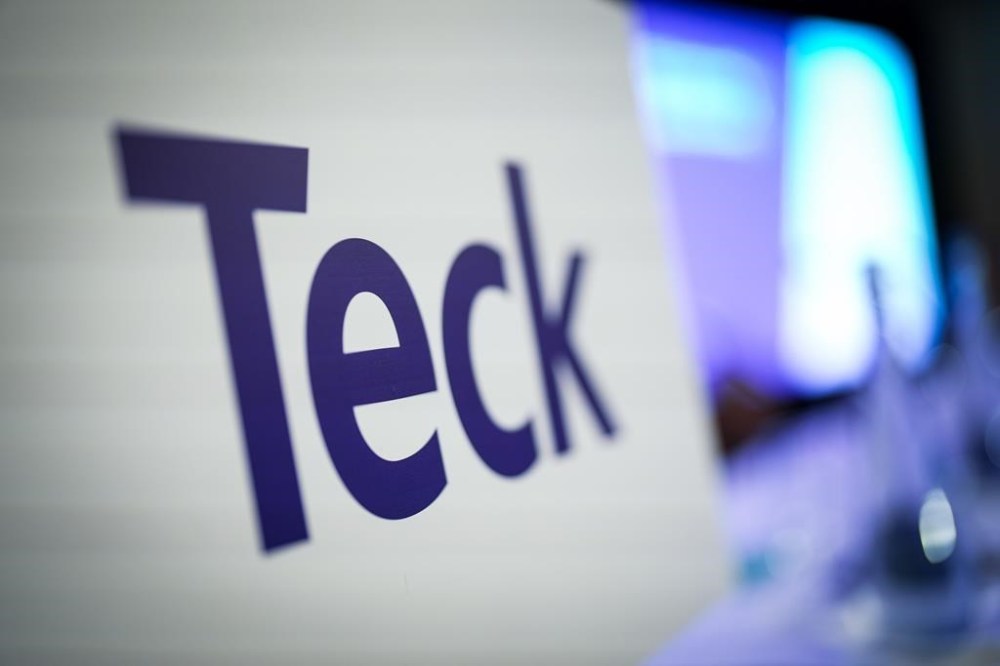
[231, 180]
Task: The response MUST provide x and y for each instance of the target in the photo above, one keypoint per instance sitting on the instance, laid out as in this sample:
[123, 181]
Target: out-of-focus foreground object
[340, 333]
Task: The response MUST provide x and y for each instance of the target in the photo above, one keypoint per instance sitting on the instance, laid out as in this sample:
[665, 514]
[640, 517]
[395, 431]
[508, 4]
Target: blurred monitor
[791, 153]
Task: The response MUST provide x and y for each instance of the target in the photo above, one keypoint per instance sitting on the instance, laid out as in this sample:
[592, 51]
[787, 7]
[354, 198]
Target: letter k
[552, 332]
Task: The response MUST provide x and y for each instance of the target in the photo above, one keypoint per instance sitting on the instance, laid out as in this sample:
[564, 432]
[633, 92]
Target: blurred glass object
[791, 152]
[976, 336]
[937, 527]
[922, 552]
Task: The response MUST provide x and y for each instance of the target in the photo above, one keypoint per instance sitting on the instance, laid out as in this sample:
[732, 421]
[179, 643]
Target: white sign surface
[491, 151]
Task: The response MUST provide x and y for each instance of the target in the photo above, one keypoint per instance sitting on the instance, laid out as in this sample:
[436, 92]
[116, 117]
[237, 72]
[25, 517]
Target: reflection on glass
[937, 527]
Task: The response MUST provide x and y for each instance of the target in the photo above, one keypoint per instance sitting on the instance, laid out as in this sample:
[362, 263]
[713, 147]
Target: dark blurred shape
[902, 550]
[742, 412]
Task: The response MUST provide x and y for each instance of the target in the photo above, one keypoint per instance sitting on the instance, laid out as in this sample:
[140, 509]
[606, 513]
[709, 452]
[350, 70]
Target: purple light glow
[727, 194]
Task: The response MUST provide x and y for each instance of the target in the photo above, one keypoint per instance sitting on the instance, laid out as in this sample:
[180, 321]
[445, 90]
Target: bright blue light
[792, 157]
[856, 192]
[706, 100]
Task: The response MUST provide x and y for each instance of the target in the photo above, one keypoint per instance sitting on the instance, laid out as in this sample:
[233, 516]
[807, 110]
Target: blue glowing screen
[791, 156]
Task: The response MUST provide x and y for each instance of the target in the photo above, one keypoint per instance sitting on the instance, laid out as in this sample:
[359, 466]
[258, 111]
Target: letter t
[231, 180]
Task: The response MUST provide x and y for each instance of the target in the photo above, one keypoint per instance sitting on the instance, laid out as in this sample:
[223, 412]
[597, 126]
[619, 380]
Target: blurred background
[830, 170]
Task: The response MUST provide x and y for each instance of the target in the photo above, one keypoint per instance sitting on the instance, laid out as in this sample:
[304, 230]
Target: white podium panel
[342, 333]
